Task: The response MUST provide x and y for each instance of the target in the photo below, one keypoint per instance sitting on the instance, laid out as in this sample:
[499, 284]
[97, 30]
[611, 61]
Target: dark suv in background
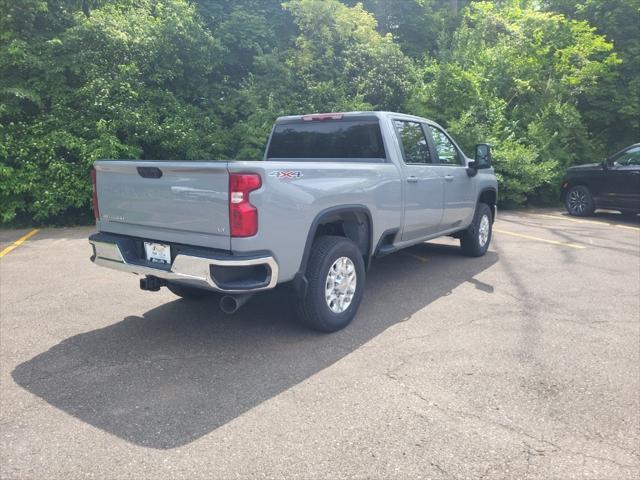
[613, 184]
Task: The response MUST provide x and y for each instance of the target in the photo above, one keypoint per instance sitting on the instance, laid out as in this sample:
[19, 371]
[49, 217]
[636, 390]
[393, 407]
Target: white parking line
[629, 227]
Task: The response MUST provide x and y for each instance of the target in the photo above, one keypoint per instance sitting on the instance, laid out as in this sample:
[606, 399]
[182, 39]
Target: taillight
[243, 217]
[94, 182]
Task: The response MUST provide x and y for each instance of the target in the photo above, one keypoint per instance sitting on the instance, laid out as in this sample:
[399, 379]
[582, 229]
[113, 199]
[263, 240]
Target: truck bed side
[294, 193]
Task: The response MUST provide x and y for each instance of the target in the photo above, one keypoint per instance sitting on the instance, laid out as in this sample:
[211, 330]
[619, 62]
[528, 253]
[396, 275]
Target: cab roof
[342, 115]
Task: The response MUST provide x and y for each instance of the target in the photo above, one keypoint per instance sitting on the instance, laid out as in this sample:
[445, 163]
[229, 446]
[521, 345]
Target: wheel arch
[489, 196]
[350, 221]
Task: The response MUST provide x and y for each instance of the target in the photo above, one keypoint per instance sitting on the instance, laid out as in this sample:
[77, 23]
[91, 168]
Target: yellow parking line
[575, 220]
[419, 257]
[561, 217]
[571, 245]
[18, 242]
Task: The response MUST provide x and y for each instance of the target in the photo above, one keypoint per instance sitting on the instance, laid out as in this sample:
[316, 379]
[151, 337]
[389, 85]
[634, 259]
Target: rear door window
[327, 139]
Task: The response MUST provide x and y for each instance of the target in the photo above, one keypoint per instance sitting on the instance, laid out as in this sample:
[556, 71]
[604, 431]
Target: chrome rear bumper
[187, 268]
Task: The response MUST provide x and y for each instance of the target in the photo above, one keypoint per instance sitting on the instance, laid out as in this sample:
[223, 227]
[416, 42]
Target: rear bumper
[204, 268]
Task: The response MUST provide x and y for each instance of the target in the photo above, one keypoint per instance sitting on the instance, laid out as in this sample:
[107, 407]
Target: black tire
[313, 308]
[472, 242]
[191, 293]
[579, 202]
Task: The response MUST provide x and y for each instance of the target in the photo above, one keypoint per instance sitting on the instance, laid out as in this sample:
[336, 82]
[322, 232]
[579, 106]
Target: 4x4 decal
[283, 174]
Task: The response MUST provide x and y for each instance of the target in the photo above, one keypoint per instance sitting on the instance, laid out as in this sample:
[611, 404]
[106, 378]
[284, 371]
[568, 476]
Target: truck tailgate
[173, 201]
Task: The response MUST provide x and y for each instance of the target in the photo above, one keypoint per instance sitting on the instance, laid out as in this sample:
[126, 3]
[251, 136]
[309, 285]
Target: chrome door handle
[448, 178]
[412, 179]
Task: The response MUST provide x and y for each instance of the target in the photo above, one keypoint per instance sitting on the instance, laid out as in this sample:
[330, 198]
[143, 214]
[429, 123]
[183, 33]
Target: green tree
[550, 83]
[246, 29]
[612, 108]
[337, 62]
[513, 77]
[419, 26]
[126, 80]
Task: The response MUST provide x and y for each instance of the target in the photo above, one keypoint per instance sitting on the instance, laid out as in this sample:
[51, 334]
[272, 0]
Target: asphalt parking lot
[521, 364]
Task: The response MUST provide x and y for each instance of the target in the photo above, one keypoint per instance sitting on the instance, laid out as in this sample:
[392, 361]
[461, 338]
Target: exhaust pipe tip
[229, 304]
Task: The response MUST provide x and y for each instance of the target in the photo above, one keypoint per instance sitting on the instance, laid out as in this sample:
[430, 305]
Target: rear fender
[357, 226]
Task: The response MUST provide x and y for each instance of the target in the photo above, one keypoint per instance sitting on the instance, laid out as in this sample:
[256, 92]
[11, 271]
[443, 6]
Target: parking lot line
[629, 227]
[576, 220]
[419, 257]
[18, 242]
[570, 245]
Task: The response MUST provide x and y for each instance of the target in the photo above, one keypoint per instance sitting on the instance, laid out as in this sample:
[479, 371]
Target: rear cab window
[330, 139]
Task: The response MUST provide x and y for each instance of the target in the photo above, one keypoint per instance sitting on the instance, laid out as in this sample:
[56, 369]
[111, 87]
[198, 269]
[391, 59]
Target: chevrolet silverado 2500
[334, 191]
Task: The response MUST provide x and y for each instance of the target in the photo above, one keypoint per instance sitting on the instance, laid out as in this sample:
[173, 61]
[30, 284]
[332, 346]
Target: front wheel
[475, 240]
[336, 278]
[579, 201]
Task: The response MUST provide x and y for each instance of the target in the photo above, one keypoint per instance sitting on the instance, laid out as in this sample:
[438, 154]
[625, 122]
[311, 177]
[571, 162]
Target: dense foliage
[548, 83]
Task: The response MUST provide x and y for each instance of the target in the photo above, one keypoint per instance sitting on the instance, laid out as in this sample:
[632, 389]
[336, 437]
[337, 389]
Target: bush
[178, 79]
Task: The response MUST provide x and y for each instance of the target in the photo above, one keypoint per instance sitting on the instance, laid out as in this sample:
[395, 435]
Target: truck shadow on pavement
[184, 368]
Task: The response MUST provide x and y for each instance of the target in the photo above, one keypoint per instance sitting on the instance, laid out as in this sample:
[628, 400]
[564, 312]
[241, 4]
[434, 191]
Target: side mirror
[483, 156]
[605, 164]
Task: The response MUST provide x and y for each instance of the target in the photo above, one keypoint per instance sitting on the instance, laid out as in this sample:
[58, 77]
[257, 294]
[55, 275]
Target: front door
[623, 181]
[459, 191]
[424, 194]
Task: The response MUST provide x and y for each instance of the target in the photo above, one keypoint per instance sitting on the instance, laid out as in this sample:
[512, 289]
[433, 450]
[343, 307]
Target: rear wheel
[185, 291]
[475, 240]
[579, 201]
[336, 279]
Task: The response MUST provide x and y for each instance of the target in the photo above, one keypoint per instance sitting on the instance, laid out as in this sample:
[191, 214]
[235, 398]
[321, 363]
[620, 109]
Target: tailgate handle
[149, 172]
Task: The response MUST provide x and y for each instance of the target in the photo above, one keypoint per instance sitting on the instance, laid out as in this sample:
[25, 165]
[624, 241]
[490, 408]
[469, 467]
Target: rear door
[179, 202]
[459, 192]
[424, 195]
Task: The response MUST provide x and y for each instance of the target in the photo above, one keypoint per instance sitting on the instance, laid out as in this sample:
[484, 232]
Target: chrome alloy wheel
[483, 230]
[577, 201]
[340, 286]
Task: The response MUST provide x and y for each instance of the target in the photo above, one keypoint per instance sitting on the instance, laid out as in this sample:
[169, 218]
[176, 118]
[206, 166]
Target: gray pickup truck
[334, 191]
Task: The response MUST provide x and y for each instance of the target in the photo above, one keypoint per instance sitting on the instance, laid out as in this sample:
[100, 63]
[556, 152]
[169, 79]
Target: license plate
[157, 252]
